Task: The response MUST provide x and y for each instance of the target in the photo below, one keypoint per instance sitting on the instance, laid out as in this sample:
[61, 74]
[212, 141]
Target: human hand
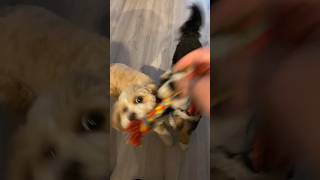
[198, 85]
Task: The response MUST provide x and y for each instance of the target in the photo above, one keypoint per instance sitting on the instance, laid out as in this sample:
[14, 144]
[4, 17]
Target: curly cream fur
[123, 77]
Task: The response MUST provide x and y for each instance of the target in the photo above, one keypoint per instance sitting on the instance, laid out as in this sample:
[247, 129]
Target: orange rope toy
[138, 128]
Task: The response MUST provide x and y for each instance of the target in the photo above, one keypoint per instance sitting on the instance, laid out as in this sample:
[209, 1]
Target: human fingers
[199, 56]
[200, 93]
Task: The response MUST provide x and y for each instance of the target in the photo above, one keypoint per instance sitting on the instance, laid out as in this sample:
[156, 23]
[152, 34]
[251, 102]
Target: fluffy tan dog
[54, 75]
[123, 77]
[136, 97]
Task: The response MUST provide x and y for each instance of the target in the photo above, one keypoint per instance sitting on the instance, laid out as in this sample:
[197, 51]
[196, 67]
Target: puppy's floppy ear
[115, 121]
[114, 92]
[15, 96]
[117, 70]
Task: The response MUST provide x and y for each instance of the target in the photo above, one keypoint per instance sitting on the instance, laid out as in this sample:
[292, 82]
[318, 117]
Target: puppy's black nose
[132, 116]
[73, 171]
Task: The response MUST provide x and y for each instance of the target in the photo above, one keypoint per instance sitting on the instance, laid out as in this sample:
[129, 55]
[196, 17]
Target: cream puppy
[136, 97]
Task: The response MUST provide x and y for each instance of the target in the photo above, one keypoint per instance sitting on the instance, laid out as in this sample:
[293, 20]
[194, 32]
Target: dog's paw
[167, 140]
[172, 122]
[164, 134]
[183, 147]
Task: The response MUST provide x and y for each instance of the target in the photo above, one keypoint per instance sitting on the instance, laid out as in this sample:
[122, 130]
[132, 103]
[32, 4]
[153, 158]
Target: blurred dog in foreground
[54, 76]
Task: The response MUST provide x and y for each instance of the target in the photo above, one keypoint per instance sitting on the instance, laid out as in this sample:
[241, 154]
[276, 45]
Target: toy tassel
[138, 128]
[134, 132]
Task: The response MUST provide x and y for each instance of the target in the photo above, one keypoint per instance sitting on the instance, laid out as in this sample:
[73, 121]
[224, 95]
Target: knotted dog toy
[138, 128]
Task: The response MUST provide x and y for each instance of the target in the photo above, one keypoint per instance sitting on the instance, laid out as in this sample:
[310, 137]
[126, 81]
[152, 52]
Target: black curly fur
[189, 39]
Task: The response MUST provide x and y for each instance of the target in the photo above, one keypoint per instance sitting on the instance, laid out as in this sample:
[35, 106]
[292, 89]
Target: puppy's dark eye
[92, 121]
[138, 100]
[50, 153]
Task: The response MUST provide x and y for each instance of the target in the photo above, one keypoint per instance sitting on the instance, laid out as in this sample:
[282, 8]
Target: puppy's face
[65, 136]
[134, 103]
[168, 88]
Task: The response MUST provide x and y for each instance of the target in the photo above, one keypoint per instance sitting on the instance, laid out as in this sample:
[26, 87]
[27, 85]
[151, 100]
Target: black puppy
[189, 39]
[182, 116]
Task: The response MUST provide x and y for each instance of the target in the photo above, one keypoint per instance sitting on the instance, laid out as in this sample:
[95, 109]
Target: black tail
[193, 24]
[189, 38]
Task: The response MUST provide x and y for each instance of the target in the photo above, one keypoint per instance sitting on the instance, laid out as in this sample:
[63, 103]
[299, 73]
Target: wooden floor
[143, 36]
